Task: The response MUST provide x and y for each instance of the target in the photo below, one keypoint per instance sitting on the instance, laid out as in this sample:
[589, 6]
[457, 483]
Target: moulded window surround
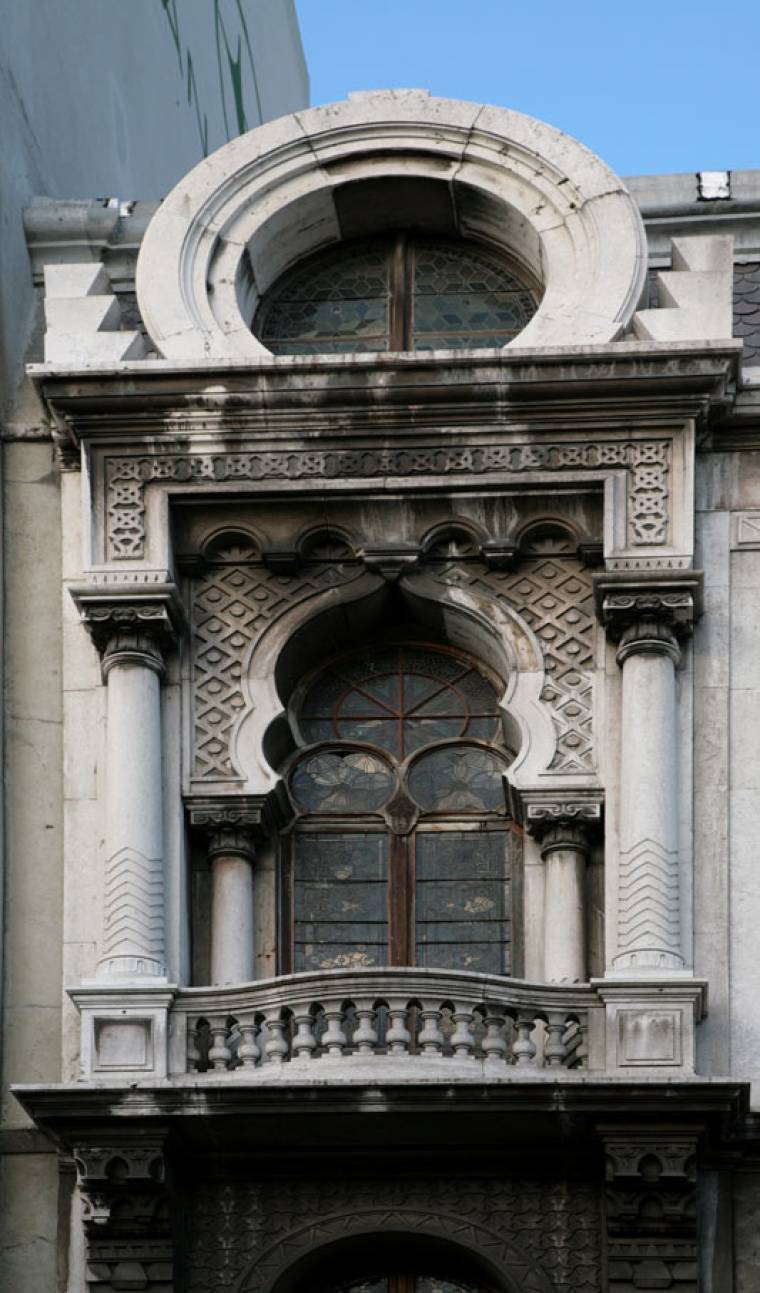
[403, 292]
[402, 851]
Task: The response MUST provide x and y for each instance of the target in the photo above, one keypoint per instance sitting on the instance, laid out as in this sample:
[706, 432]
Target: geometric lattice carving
[545, 1235]
[231, 606]
[747, 310]
[647, 463]
[553, 593]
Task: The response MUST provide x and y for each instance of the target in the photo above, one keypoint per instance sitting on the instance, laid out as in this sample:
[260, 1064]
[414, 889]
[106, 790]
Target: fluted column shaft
[133, 942]
[231, 857]
[649, 916]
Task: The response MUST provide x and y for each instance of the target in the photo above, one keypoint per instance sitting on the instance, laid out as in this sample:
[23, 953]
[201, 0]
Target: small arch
[229, 545]
[548, 536]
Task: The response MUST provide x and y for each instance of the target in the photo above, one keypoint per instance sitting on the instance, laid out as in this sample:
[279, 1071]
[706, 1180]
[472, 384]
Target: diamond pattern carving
[231, 606]
[553, 593]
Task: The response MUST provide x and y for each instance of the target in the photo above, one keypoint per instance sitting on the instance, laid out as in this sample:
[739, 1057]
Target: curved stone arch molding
[516, 1271]
[482, 626]
[267, 199]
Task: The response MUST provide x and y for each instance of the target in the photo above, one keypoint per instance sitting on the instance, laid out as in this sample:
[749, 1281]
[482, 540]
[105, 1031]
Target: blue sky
[650, 87]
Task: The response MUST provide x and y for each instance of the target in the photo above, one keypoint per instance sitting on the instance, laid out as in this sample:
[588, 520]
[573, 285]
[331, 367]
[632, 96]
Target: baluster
[304, 1043]
[494, 1044]
[462, 1038]
[523, 1048]
[555, 1051]
[219, 1055]
[430, 1038]
[365, 1033]
[276, 1048]
[249, 1052]
[334, 1039]
[398, 1036]
[193, 1050]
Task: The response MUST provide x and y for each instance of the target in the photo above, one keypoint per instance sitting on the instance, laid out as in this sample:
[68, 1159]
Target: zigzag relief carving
[649, 911]
[133, 908]
[553, 593]
[231, 607]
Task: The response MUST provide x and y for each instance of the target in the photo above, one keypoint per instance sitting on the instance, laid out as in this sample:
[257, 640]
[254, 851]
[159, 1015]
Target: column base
[125, 1032]
[650, 1022]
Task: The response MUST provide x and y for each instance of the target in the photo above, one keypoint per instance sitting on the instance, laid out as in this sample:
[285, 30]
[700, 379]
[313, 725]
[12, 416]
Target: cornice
[666, 382]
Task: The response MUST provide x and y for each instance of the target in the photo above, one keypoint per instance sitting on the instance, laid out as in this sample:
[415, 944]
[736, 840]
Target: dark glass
[400, 699]
[444, 295]
[459, 779]
[341, 781]
[340, 887]
[462, 899]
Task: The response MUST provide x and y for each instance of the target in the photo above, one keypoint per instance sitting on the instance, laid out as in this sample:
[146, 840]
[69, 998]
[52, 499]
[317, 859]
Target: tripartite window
[402, 851]
[407, 292]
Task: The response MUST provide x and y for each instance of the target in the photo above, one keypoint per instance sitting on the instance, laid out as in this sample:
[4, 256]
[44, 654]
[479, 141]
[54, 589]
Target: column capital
[131, 621]
[561, 819]
[655, 608]
[236, 824]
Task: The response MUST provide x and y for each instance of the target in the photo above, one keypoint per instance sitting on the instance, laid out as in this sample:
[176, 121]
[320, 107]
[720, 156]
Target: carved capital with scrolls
[133, 622]
[557, 820]
[653, 611]
[236, 824]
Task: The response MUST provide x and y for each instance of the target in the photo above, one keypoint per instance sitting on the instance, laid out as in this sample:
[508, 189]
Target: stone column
[234, 826]
[647, 622]
[564, 828]
[131, 628]
[649, 907]
[231, 856]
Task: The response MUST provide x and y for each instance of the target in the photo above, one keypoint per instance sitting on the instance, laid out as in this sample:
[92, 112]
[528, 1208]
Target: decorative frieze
[126, 1216]
[650, 1209]
[646, 462]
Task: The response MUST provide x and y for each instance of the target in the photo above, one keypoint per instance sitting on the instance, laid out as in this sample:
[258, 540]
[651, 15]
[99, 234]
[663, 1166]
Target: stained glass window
[400, 699]
[405, 880]
[340, 901]
[406, 292]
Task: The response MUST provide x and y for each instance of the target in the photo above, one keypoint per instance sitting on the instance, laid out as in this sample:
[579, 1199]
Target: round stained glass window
[404, 292]
[341, 781]
[400, 699]
[459, 779]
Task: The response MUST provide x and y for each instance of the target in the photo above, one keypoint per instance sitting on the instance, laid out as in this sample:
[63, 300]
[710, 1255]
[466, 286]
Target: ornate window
[401, 851]
[408, 292]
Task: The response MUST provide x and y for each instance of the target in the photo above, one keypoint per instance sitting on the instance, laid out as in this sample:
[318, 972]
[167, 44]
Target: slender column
[231, 856]
[133, 917]
[565, 849]
[649, 915]
[131, 624]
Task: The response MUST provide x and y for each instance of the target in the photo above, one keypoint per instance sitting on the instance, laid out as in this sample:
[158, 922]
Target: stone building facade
[410, 567]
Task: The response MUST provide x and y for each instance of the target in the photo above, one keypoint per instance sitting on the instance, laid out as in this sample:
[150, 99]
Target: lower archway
[383, 1252]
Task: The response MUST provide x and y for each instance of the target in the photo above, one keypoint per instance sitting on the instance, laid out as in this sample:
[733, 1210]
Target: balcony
[388, 1024]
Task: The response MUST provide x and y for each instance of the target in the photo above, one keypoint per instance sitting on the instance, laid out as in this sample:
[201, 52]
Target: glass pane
[463, 901]
[341, 781]
[460, 779]
[440, 696]
[340, 901]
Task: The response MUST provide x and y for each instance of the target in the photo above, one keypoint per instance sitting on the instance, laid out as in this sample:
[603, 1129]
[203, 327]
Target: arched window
[405, 292]
[402, 851]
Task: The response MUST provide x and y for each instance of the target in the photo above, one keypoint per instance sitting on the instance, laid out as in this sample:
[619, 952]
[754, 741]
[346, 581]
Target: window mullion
[401, 899]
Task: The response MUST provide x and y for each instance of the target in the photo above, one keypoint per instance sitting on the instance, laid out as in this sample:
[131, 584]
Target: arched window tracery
[407, 291]
[402, 851]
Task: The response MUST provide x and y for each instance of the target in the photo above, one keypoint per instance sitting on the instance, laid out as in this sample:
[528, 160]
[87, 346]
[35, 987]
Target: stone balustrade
[380, 1017]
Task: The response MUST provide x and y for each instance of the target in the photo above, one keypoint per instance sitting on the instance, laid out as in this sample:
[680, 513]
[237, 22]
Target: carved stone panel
[541, 1236]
